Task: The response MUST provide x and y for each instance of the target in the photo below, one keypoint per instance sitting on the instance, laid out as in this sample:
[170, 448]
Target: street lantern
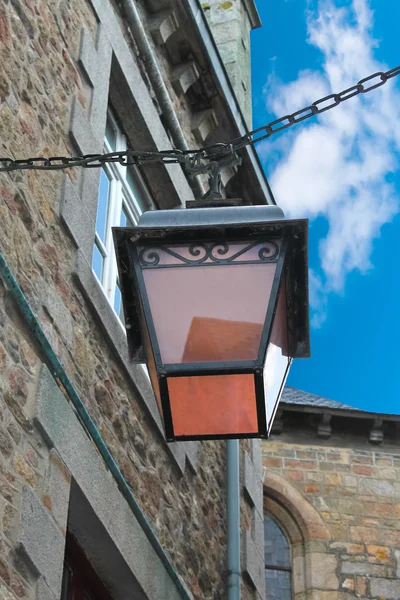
[216, 303]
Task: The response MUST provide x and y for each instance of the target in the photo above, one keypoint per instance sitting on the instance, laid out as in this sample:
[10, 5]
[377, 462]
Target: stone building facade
[82, 450]
[332, 485]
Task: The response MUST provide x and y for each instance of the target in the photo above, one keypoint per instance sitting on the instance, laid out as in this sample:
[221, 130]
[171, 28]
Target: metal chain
[192, 159]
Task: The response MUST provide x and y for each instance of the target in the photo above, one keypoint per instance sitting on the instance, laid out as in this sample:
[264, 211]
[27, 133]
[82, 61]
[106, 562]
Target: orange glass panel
[213, 405]
[277, 361]
[209, 312]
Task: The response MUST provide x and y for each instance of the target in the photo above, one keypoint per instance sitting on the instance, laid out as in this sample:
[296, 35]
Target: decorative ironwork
[208, 253]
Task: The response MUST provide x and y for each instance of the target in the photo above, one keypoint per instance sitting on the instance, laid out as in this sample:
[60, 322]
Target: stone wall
[231, 25]
[340, 507]
[184, 500]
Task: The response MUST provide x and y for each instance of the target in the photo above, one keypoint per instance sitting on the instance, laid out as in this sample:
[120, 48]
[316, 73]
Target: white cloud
[339, 165]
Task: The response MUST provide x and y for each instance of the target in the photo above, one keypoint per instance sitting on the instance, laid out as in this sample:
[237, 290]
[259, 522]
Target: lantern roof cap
[232, 215]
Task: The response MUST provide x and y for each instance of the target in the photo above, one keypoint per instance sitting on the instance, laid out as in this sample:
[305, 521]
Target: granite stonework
[60, 63]
[231, 23]
[337, 499]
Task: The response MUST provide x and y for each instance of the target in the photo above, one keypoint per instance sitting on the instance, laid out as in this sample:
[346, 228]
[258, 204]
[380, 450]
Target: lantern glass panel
[151, 365]
[213, 405]
[208, 301]
[277, 362]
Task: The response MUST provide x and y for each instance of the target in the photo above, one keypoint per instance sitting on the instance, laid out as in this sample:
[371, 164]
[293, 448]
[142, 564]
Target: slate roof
[293, 396]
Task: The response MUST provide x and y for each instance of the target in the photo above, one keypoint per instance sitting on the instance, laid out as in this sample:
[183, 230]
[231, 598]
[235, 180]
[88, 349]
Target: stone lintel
[57, 490]
[162, 25]
[183, 76]
[41, 541]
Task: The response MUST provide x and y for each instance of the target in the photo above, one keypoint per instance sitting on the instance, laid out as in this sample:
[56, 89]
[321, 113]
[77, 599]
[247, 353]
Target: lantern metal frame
[215, 226]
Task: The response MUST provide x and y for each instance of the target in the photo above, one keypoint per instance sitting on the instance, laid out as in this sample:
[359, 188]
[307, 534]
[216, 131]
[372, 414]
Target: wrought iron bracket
[212, 162]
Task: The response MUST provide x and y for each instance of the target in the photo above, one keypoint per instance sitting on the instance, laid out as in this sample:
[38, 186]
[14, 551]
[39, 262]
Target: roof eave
[254, 15]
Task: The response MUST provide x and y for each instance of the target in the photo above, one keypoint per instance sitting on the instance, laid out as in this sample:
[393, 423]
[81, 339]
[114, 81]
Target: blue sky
[342, 171]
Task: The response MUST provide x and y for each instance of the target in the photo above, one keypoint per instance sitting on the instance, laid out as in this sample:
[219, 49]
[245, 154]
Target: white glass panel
[209, 313]
[118, 302]
[103, 206]
[277, 361]
[97, 262]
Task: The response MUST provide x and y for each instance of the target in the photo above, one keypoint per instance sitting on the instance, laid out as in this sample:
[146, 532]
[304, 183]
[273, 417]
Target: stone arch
[313, 566]
[307, 518]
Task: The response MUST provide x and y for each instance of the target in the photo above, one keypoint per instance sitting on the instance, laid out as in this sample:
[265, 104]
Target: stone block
[309, 465]
[40, 540]
[76, 217]
[256, 455]
[203, 124]
[298, 574]
[43, 592]
[253, 563]
[82, 132]
[252, 482]
[389, 589]
[322, 571]
[363, 568]
[162, 26]
[88, 57]
[60, 315]
[258, 531]
[183, 76]
[57, 490]
[6, 593]
[368, 535]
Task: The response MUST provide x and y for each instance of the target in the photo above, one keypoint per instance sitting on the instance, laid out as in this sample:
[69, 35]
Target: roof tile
[293, 396]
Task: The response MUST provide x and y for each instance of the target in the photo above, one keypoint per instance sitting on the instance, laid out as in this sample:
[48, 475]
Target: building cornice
[252, 11]
[210, 49]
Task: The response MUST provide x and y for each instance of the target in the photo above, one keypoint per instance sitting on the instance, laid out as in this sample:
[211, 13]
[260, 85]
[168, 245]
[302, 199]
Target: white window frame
[121, 196]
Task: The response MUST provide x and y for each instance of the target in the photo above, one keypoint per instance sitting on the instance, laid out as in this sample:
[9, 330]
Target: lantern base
[230, 436]
[216, 203]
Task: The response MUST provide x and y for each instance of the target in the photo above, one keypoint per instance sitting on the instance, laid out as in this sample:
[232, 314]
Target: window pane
[277, 361]
[125, 220]
[97, 262]
[102, 205]
[136, 188]
[276, 546]
[278, 585]
[118, 302]
[111, 135]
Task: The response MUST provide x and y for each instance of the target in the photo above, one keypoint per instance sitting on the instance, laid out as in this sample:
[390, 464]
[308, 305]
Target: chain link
[192, 159]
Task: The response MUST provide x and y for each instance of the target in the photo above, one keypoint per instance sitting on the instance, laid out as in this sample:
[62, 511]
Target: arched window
[278, 569]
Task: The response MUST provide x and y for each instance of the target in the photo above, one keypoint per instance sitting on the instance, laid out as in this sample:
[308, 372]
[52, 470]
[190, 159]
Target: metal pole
[233, 510]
